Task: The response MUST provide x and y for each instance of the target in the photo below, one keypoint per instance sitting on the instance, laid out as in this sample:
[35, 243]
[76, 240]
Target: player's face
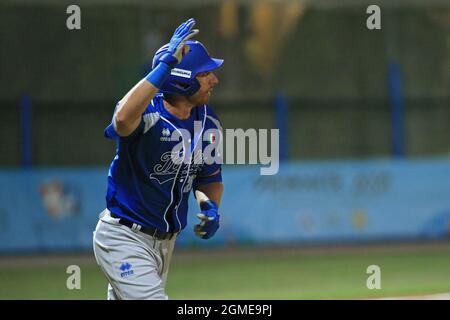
[208, 81]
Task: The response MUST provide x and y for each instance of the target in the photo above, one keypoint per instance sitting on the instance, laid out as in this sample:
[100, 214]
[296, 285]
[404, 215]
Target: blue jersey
[145, 185]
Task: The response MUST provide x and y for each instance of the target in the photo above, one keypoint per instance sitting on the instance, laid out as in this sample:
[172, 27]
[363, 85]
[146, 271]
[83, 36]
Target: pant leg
[131, 265]
[111, 294]
[166, 250]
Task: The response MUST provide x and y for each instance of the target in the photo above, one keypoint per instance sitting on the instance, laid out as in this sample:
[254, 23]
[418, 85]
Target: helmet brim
[211, 65]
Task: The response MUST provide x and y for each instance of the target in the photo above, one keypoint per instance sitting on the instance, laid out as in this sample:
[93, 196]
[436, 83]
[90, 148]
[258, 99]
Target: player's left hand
[177, 46]
[210, 219]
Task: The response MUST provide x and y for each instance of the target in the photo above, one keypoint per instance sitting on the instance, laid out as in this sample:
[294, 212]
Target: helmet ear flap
[193, 88]
[179, 88]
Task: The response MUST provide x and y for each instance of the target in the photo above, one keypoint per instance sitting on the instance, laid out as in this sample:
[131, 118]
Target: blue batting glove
[175, 52]
[210, 219]
[177, 47]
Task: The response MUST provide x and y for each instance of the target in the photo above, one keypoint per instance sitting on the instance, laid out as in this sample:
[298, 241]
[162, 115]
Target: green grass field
[251, 274]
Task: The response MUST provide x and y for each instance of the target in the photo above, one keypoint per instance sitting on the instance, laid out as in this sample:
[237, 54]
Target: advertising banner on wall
[305, 202]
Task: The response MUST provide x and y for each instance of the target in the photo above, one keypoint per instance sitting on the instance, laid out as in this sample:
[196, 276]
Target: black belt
[151, 231]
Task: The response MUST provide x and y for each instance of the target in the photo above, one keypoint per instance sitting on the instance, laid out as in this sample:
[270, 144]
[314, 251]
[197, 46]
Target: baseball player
[147, 196]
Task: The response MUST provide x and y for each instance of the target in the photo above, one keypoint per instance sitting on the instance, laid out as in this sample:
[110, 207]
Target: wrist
[208, 204]
[159, 74]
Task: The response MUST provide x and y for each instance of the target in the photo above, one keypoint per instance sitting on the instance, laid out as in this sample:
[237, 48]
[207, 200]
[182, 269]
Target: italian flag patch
[211, 138]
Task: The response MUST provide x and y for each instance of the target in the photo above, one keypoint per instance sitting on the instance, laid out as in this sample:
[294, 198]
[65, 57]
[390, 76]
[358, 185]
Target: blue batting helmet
[181, 80]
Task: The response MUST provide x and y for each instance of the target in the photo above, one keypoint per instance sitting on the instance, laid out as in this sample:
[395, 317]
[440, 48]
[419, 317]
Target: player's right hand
[177, 46]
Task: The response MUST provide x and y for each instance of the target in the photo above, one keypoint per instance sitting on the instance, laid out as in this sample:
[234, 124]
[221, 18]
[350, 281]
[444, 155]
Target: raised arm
[131, 107]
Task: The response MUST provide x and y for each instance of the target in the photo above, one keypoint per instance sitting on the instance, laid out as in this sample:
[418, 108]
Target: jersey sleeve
[111, 133]
[148, 119]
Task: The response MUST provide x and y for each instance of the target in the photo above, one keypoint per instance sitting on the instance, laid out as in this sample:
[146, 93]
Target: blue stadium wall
[306, 202]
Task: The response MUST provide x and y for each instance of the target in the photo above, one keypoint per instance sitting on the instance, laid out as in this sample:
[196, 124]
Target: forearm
[211, 191]
[130, 109]
[132, 106]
